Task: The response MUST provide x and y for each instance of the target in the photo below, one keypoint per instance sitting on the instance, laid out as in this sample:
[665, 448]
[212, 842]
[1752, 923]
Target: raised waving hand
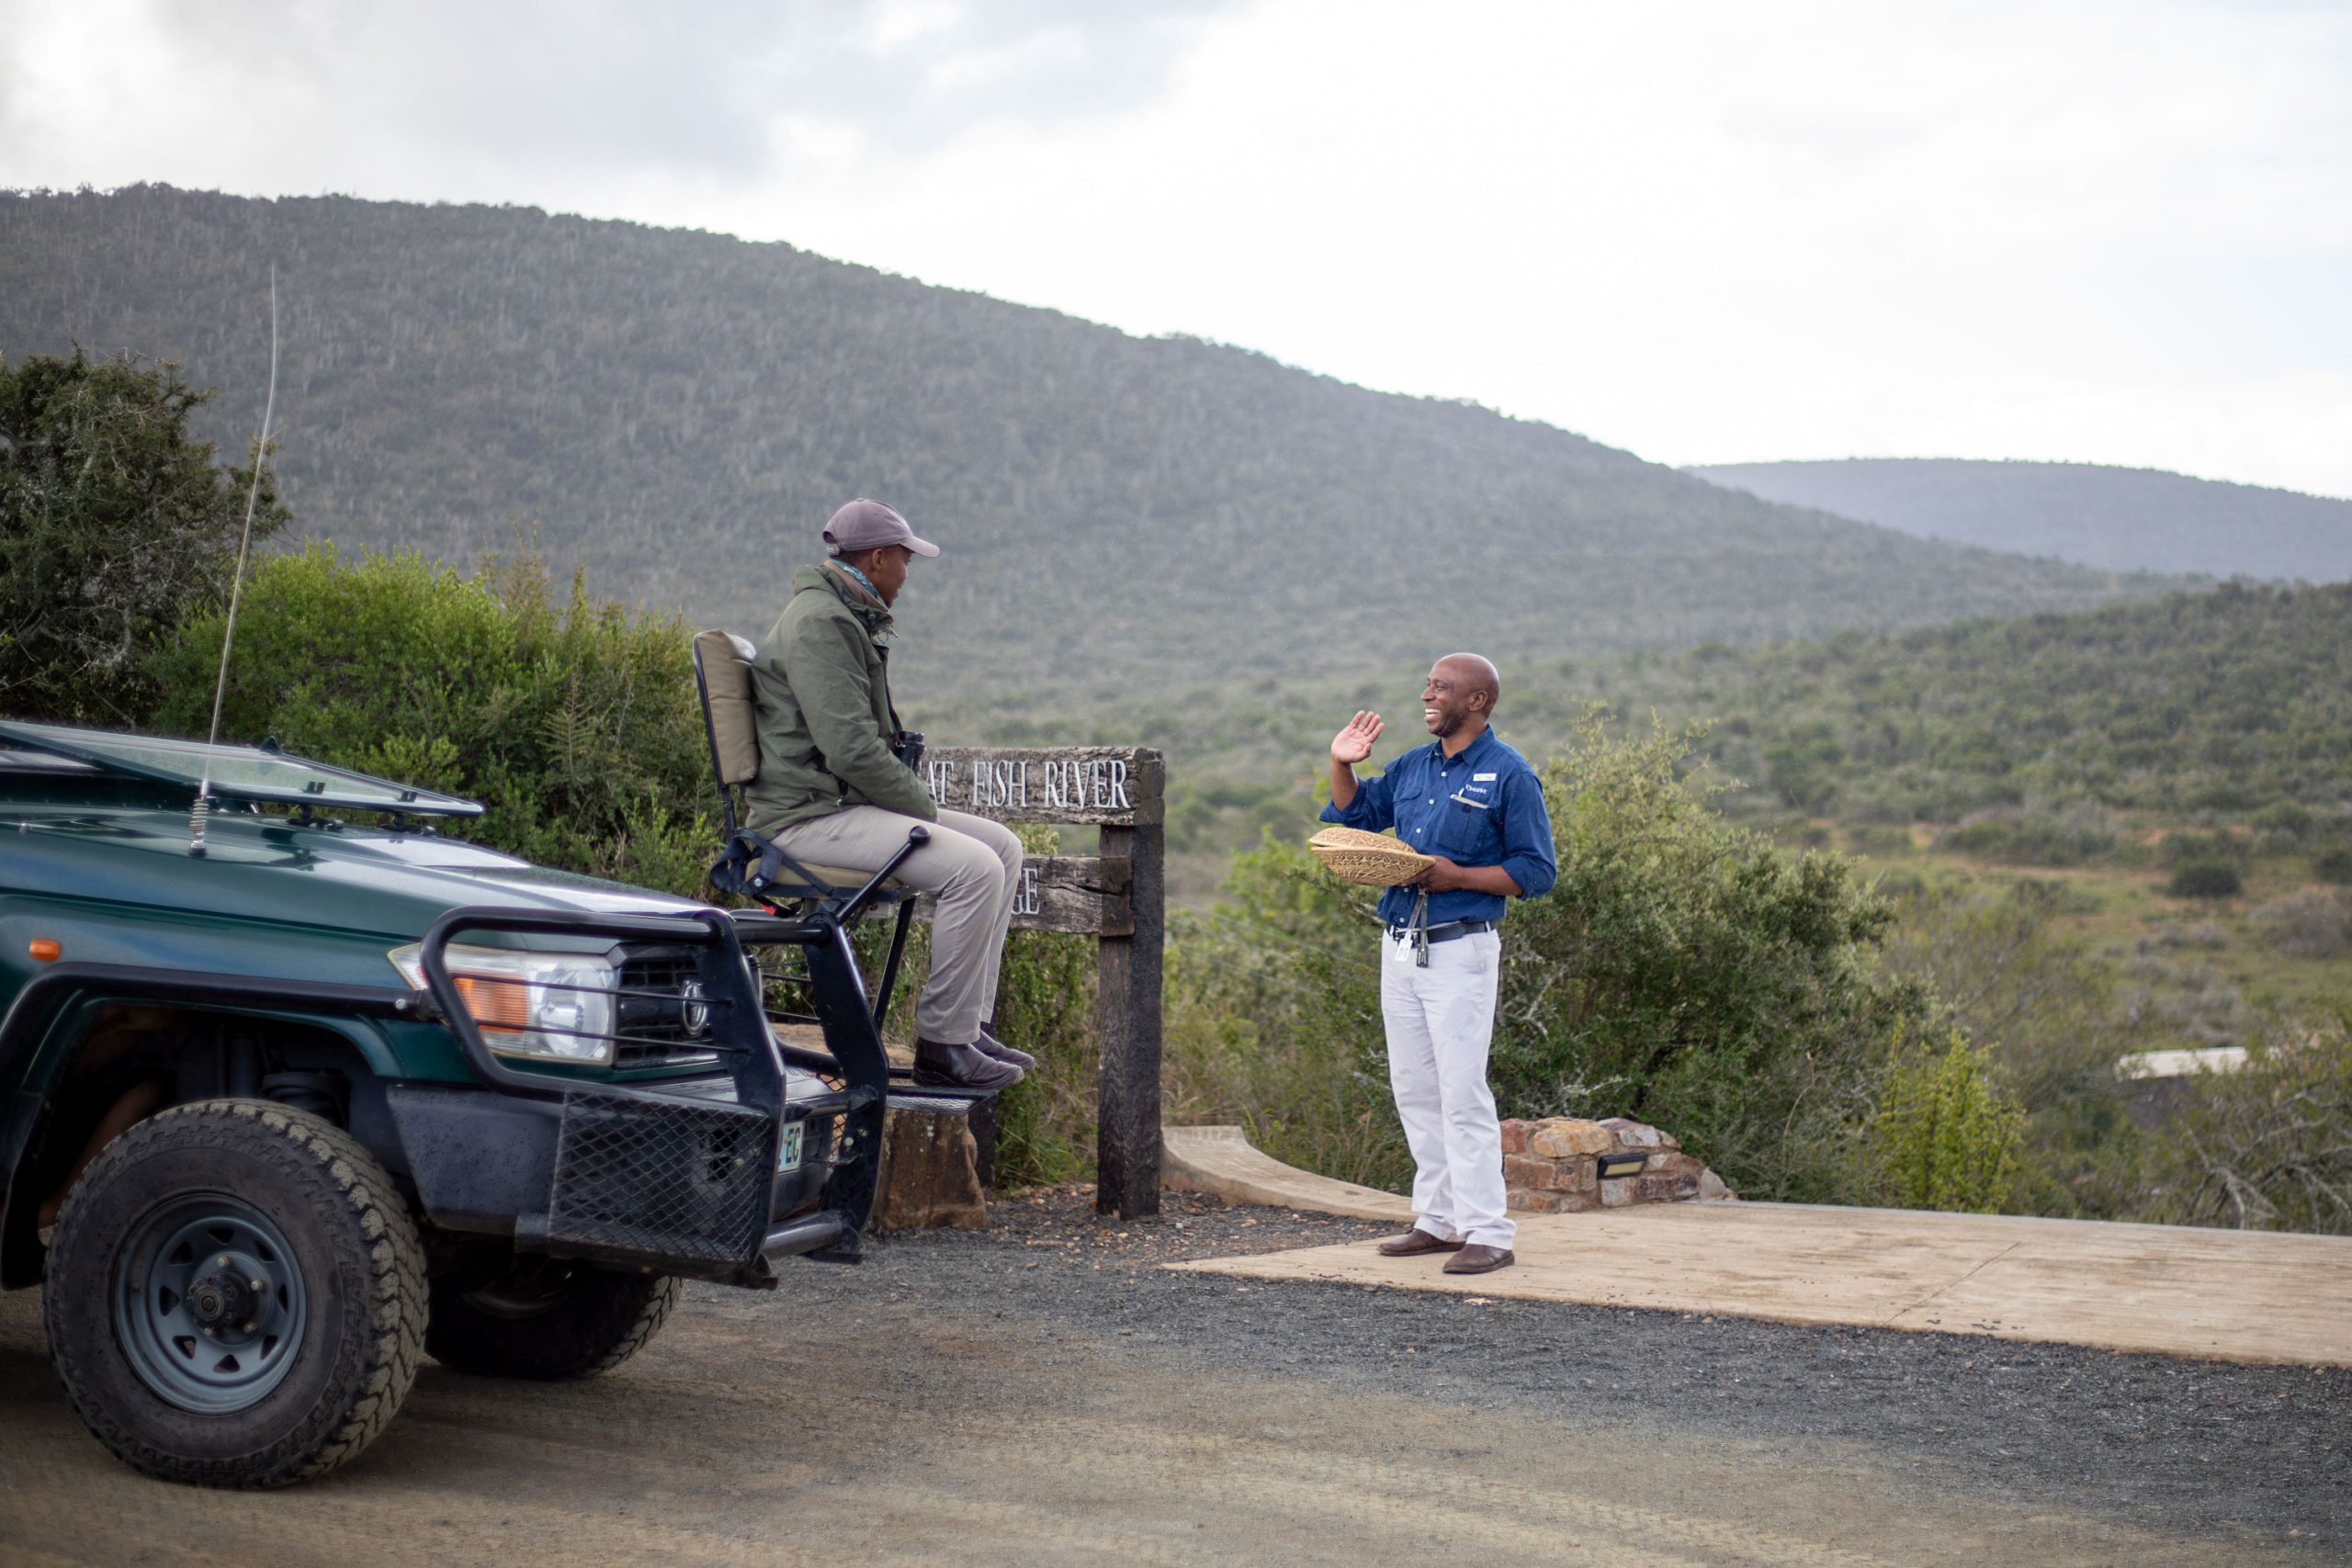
[1353, 744]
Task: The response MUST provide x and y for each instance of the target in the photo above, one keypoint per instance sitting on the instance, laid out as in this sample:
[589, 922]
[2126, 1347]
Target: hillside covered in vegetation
[2121, 519]
[2223, 707]
[676, 412]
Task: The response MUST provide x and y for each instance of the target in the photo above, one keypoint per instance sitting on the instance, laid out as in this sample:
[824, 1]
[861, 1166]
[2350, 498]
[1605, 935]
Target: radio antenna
[203, 807]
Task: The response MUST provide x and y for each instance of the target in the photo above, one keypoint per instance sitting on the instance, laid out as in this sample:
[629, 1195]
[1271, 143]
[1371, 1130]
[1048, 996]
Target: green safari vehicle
[291, 1100]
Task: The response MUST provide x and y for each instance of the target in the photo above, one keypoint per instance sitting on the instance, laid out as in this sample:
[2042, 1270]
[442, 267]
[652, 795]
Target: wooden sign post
[1118, 896]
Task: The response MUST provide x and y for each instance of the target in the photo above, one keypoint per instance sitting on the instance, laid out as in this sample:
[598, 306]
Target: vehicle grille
[653, 1028]
[675, 1181]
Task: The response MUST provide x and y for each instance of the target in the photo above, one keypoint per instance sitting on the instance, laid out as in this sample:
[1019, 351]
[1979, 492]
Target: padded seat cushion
[725, 661]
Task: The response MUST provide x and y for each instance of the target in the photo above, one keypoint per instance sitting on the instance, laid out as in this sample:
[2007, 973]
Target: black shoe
[961, 1067]
[997, 1050]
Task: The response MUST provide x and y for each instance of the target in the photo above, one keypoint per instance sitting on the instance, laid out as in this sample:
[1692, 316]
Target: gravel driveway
[1042, 1393]
[2202, 1449]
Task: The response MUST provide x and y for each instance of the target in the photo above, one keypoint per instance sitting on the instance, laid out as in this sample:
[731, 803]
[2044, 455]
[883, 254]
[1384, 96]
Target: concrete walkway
[2224, 1295]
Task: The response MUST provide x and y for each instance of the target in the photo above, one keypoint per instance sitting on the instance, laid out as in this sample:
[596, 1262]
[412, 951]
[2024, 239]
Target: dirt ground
[1042, 1394]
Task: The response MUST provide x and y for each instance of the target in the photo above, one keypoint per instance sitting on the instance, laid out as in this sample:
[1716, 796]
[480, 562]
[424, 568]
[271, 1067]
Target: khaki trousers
[972, 863]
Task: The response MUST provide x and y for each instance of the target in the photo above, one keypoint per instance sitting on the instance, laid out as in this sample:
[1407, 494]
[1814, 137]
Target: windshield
[234, 773]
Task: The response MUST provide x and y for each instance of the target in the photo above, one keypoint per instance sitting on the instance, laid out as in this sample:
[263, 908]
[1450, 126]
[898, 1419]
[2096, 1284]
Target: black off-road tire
[352, 1256]
[546, 1319]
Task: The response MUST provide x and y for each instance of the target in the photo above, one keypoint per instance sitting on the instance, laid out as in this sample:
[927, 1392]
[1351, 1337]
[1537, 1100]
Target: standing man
[832, 788]
[1473, 804]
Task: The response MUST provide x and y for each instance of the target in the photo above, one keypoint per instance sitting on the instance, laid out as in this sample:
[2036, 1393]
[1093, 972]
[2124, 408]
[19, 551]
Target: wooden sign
[1119, 897]
[1087, 894]
[1111, 787]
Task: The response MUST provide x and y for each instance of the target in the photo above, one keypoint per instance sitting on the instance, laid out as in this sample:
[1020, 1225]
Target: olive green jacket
[822, 681]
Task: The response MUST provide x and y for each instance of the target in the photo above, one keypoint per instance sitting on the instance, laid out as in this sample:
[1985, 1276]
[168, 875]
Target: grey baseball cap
[867, 525]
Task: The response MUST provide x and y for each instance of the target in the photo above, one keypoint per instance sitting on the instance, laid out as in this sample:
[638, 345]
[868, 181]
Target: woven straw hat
[1375, 859]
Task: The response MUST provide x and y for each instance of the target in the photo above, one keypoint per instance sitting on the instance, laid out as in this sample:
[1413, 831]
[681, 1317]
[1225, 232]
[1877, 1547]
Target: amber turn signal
[45, 949]
[494, 999]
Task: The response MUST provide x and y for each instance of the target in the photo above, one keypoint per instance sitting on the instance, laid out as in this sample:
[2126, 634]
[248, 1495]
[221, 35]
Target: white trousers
[972, 863]
[1440, 1020]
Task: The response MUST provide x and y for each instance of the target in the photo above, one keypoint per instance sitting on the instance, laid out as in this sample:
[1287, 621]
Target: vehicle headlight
[555, 1006]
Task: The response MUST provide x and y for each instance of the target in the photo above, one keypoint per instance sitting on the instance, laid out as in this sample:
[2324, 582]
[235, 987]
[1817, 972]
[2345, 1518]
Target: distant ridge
[677, 412]
[2119, 519]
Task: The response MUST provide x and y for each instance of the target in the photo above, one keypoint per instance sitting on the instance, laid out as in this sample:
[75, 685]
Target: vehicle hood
[262, 868]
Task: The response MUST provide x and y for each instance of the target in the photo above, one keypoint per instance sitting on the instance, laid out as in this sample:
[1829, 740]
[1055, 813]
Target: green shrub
[573, 724]
[2286, 819]
[2006, 972]
[1690, 972]
[1945, 1135]
[2184, 847]
[2206, 879]
[1272, 1018]
[2029, 839]
[1685, 970]
[2308, 924]
[2334, 864]
[2268, 1147]
[114, 522]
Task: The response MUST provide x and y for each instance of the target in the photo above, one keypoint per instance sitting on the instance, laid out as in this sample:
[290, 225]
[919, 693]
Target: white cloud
[2108, 232]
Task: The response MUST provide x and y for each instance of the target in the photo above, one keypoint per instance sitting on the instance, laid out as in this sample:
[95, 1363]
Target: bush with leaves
[2206, 879]
[1689, 971]
[1272, 1018]
[2311, 923]
[574, 722]
[114, 520]
[1684, 970]
[1945, 1134]
[2268, 1146]
[2004, 971]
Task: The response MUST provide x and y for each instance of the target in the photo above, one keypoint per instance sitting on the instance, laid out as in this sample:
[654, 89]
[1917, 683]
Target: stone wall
[1553, 1167]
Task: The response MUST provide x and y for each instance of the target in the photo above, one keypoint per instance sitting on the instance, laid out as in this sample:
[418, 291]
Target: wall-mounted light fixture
[1613, 1165]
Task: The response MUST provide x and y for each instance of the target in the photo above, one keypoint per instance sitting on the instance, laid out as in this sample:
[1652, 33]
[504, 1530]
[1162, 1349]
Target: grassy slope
[676, 412]
[2209, 706]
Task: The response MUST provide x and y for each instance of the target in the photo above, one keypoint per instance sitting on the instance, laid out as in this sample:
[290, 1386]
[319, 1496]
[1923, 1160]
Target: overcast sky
[2115, 232]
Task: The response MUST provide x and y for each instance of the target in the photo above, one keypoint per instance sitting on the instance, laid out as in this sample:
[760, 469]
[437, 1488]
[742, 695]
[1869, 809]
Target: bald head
[1458, 697]
[1470, 673]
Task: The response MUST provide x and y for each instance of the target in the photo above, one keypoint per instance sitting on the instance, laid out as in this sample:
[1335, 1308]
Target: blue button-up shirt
[1482, 806]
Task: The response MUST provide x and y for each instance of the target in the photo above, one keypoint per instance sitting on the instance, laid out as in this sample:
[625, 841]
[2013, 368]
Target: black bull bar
[681, 1177]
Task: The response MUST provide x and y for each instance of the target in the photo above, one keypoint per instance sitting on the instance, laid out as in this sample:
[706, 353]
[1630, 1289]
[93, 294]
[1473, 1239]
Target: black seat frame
[750, 866]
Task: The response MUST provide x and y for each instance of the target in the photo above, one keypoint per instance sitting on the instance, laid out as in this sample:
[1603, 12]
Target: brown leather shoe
[1478, 1258]
[1414, 1242]
[941, 1066]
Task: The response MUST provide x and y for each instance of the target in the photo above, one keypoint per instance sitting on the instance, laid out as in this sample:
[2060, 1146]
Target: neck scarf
[857, 576]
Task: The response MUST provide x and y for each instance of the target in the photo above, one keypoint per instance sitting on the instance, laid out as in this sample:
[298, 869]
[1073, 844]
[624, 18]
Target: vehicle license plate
[788, 1153]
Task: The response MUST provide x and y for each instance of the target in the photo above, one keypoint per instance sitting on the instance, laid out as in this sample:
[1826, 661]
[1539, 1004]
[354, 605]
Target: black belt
[1445, 933]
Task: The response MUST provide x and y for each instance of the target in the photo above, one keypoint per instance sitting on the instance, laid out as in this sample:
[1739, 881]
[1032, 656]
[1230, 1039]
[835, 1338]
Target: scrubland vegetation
[677, 412]
[1880, 932]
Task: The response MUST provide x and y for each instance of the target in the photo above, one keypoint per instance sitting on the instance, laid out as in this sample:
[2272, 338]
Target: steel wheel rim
[208, 1303]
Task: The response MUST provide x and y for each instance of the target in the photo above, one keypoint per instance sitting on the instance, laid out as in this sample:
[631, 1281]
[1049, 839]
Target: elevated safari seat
[750, 866]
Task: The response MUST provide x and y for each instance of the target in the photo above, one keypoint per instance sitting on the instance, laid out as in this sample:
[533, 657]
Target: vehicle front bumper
[681, 1182]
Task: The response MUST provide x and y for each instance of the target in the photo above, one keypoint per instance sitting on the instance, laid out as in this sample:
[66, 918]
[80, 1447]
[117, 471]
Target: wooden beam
[1128, 1001]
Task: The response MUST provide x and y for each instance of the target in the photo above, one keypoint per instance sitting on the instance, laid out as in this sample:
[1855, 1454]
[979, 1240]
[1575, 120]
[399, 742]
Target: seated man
[832, 790]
